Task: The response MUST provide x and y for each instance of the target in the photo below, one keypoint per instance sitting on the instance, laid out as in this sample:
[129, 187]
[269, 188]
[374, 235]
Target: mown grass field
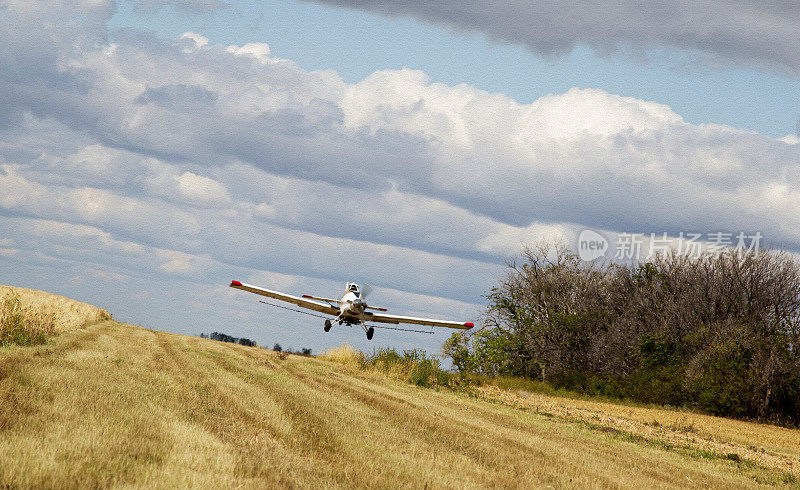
[115, 404]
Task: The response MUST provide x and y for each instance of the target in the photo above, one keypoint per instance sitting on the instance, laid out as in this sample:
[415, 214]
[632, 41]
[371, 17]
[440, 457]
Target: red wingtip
[235, 283]
[470, 325]
[307, 296]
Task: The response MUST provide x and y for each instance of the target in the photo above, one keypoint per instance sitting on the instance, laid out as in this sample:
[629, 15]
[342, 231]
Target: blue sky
[153, 150]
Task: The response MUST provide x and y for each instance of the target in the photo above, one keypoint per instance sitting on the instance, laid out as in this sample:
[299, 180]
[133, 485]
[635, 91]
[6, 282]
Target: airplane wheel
[327, 325]
[370, 331]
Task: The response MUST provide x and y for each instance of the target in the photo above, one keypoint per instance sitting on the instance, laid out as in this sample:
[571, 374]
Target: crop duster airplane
[350, 310]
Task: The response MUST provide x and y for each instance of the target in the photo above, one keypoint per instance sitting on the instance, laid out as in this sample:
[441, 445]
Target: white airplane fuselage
[352, 306]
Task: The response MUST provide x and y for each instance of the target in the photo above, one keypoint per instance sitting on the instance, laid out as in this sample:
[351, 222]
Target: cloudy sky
[153, 150]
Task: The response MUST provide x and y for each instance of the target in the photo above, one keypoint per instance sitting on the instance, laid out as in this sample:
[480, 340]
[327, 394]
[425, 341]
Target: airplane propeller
[366, 289]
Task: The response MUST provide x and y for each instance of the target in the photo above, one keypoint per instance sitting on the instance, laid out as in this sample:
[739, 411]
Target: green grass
[517, 383]
[117, 405]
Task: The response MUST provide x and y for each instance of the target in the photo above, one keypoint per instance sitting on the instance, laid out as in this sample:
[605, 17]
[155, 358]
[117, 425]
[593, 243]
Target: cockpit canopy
[352, 287]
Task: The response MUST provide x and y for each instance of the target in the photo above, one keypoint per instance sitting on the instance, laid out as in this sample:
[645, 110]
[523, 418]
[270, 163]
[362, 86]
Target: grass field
[114, 404]
[28, 316]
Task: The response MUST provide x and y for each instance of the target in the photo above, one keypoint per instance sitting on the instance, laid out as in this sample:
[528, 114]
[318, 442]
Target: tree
[720, 331]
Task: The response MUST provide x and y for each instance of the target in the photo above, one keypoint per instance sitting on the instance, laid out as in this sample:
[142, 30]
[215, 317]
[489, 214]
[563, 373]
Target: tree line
[228, 338]
[222, 337]
[305, 351]
[717, 332]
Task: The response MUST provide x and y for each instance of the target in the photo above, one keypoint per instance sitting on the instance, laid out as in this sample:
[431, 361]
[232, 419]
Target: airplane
[350, 310]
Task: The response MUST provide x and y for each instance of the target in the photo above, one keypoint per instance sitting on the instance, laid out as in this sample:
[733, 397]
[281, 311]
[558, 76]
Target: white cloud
[190, 42]
[791, 139]
[259, 51]
[199, 189]
[562, 158]
[455, 154]
[82, 235]
[95, 163]
[198, 162]
[273, 280]
[176, 262]
[15, 190]
[232, 236]
[509, 241]
[406, 100]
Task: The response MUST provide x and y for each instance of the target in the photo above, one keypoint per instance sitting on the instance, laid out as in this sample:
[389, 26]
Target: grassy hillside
[114, 404]
[28, 316]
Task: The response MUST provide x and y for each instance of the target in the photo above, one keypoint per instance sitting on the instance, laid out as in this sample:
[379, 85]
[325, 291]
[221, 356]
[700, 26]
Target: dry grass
[768, 445]
[345, 354]
[29, 316]
[117, 405]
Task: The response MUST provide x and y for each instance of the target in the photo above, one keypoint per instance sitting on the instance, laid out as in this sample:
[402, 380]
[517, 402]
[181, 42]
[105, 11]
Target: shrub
[414, 366]
[722, 384]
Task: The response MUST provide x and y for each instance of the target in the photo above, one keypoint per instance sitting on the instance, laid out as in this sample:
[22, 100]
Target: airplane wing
[371, 317]
[307, 296]
[302, 302]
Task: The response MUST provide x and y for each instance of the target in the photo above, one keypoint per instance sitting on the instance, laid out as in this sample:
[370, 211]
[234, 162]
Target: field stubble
[113, 404]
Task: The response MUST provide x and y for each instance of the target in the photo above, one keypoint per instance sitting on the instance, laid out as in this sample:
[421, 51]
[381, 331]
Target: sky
[151, 151]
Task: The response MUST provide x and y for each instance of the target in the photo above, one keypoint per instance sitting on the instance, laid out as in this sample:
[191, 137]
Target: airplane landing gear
[327, 325]
[370, 331]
